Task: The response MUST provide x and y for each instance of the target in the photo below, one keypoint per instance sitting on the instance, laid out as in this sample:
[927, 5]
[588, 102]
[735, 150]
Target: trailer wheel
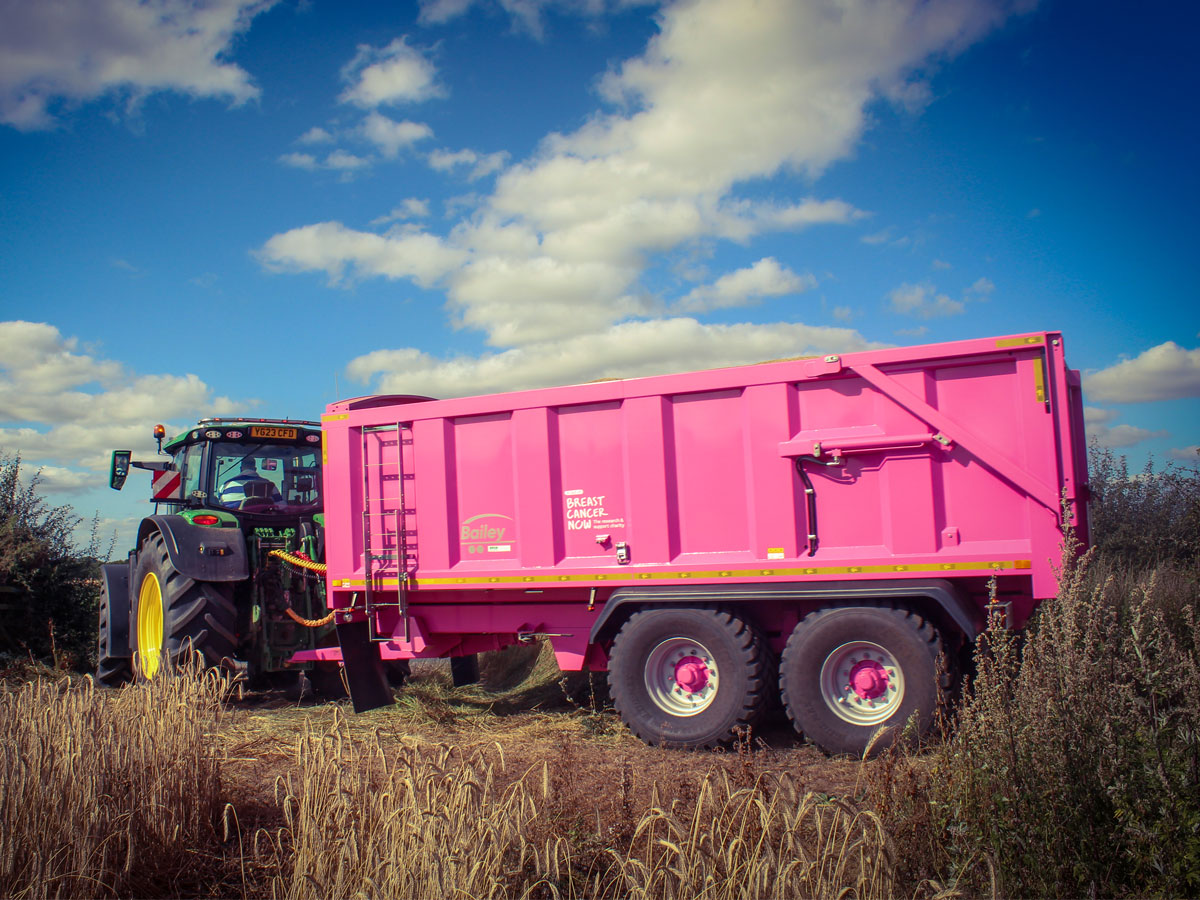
[177, 615]
[687, 677]
[111, 671]
[848, 672]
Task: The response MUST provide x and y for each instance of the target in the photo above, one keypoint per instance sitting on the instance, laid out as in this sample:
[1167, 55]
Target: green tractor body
[229, 564]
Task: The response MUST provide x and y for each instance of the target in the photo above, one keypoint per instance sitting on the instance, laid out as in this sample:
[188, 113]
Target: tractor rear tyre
[111, 671]
[687, 678]
[177, 615]
[852, 677]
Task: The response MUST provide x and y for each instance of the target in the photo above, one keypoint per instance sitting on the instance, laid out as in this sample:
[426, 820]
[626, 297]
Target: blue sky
[244, 206]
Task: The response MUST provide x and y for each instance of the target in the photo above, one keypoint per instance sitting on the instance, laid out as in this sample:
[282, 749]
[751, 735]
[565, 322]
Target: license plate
[272, 433]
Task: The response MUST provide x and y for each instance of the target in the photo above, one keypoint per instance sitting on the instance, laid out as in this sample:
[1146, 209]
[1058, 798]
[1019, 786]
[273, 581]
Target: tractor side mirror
[119, 469]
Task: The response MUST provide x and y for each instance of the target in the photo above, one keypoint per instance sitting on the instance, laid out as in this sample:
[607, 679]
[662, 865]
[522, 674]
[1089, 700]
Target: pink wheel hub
[869, 679]
[691, 674]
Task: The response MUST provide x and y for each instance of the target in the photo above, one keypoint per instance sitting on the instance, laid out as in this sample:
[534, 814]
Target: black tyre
[111, 671]
[687, 677]
[326, 681]
[397, 671]
[846, 673]
[177, 615]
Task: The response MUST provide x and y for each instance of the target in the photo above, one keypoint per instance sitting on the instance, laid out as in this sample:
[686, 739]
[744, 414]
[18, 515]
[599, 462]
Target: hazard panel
[167, 485]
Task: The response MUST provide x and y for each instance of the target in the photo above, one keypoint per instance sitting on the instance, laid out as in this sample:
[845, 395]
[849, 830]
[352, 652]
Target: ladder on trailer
[388, 551]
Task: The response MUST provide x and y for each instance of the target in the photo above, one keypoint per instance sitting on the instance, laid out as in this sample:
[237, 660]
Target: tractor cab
[252, 468]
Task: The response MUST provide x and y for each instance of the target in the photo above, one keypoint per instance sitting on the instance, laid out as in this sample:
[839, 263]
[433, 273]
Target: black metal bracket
[810, 494]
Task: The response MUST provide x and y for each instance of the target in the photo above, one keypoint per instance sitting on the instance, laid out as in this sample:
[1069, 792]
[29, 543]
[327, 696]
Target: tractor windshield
[270, 479]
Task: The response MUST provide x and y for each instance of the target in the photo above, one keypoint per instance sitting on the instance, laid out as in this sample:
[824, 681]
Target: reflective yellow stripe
[1039, 379]
[1021, 341]
[334, 417]
[704, 576]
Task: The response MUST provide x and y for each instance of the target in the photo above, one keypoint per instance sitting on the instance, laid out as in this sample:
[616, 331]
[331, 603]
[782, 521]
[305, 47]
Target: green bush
[1074, 769]
[1144, 519]
[48, 586]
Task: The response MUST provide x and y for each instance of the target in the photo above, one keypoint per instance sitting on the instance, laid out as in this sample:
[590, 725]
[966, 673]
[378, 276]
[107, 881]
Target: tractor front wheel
[177, 615]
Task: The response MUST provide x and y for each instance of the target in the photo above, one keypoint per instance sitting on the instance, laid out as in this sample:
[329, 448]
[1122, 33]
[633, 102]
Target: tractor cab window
[270, 479]
[190, 461]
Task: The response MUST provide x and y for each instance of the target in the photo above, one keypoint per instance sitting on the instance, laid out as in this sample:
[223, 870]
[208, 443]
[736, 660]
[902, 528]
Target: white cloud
[766, 278]
[61, 409]
[627, 350]
[393, 74]
[982, 288]
[1098, 424]
[75, 51]
[941, 264]
[438, 12]
[57, 480]
[391, 136]
[1094, 415]
[344, 161]
[337, 160]
[719, 98]
[740, 220]
[481, 165]
[411, 208]
[315, 135]
[1121, 436]
[1187, 454]
[508, 297]
[923, 301]
[332, 247]
[300, 161]
[1165, 372]
[526, 14]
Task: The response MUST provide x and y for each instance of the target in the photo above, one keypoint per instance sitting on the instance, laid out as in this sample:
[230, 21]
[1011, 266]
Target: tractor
[229, 564]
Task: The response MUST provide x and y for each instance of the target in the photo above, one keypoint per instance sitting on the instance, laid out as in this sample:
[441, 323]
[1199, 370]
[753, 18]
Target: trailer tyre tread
[910, 643]
[740, 663]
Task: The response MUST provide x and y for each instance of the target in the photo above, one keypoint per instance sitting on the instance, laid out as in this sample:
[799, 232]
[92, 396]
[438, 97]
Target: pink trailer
[835, 520]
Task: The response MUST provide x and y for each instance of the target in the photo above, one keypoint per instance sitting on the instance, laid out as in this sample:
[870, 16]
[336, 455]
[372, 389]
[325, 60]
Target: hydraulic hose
[301, 561]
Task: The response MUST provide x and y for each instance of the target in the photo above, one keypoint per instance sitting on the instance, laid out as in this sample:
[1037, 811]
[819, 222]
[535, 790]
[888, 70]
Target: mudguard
[199, 551]
[944, 595]
[364, 668]
[116, 581]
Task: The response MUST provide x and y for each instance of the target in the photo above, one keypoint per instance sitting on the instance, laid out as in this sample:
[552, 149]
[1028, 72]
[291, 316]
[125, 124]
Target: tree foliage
[1147, 518]
[48, 585]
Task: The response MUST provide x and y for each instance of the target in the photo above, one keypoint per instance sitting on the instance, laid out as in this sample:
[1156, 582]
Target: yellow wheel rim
[150, 626]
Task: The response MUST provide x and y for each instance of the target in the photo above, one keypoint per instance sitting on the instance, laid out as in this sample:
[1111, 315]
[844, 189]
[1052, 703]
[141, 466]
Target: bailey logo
[487, 533]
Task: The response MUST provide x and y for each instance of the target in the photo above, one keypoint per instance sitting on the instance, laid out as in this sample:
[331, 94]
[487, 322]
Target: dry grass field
[525, 785]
